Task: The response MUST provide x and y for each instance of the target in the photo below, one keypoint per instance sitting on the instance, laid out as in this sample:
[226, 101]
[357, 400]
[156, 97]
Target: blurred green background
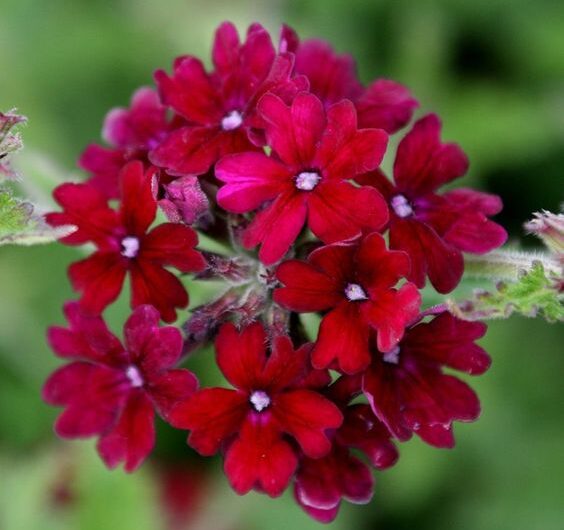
[494, 70]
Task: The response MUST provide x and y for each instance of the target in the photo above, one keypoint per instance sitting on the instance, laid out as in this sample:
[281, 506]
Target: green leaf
[534, 293]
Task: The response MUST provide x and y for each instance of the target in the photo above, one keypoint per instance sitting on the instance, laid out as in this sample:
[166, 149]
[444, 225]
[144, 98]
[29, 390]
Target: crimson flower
[112, 391]
[131, 134]
[220, 106]
[124, 245]
[271, 406]
[355, 282]
[408, 390]
[315, 154]
[433, 229]
[322, 483]
[384, 104]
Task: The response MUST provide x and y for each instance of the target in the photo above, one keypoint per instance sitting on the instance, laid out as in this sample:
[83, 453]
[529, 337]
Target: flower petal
[138, 205]
[133, 437]
[423, 163]
[251, 180]
[213, 415]
[241, 356]
[306, 415]
[99, 278]
[343, 335]
[305, 288]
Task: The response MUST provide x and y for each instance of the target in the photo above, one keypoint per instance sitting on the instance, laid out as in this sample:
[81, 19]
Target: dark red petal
[152, 347]
[386, 105]
[133, 437]
[104, 166]
[377, 179]
[188, 150]
[225, 52]
[213, 415]
[293, 132]
[306, 415]
[154, 285]
[378, 267]
[437, 435]
[305, 289]
[241, 356]
[138, 126]
[346, 152]
[170, 388]
[472, 200]
[260, 458]
[92, 394]
[423, 163]
[449, 341]
[173, 244]
[138, 205]
[339, 211]
[390, 312]
[87, 338]
[343, 335]
[86, 208]
[190, 92]
[332, 76]
[429, 255]
[99, 278]
[338, 261]
[285, 367]
[381, 388]
[251, 180]
[277, 227]
[475, 233]
[318, 483]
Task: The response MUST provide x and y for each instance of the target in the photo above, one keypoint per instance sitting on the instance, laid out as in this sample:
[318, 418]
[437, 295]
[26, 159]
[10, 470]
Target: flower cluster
[278, 147]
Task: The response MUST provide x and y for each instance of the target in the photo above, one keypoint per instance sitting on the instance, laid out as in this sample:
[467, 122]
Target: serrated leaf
[535, 293]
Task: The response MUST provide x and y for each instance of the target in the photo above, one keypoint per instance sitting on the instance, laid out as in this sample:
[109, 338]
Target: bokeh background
[494, 70]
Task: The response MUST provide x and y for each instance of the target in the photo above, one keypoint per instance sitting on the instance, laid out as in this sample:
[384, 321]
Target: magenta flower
[433, 229]
[315, 154]
[220, 106]
[255, 423]
[408, 390]
[321, 484]
[112, 391]
[355, 283]
[124, 246]
[131, 134]
[384, 104]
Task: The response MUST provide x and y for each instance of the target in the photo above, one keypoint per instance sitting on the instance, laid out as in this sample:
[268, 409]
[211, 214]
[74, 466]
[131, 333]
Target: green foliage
[535, 293]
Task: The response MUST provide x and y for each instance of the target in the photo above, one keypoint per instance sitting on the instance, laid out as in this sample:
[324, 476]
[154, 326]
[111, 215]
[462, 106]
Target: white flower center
[259, 400]
[233, 120]
[401, 206]
[392, 356]
[307, 180]
[129, 246]
[134, 376]
[355, 292]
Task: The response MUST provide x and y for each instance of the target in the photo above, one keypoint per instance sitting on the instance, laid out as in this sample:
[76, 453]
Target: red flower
[384, 104]
[111, 391]
[355, 282]
[410, 393]
[431, 228]
[256, 422]
[322, 483]
[124, 245]
[131, 134]
[315, 154]
[220, 107]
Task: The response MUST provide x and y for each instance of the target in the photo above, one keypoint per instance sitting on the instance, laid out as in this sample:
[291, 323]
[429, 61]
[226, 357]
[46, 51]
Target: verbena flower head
[278, 149]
